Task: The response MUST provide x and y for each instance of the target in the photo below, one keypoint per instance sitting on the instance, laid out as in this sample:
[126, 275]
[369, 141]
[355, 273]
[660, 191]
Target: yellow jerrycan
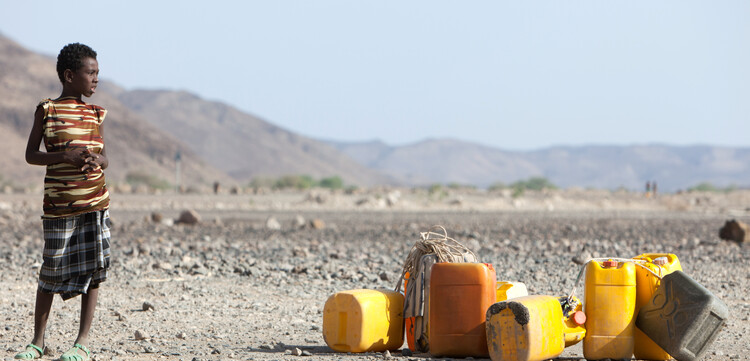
[527, 328]
[364, 321]
[574, 320]
[506, 290]
[646, 285]
[609, 304]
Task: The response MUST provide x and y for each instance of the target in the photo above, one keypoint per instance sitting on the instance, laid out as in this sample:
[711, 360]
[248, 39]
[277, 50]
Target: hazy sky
[515, 75]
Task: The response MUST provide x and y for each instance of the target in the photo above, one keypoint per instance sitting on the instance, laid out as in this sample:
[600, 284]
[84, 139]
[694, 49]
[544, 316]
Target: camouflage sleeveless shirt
[70, 123]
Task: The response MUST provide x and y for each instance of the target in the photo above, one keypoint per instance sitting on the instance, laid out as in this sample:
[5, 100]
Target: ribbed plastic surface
[682, 317]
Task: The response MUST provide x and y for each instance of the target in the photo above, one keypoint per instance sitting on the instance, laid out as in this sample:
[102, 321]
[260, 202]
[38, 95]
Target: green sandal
[73, 355]
[31, 352]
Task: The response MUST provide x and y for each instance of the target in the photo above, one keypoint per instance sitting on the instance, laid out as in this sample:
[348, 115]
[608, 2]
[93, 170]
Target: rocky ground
[249, 280]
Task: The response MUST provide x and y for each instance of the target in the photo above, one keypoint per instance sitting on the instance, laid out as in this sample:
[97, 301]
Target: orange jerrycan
[646, 284]
[609, 304]
[364, 321]
[460, 294]
[527, 328]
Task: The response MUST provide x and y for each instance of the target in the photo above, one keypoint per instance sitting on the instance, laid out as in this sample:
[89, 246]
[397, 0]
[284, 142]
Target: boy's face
[85, 79]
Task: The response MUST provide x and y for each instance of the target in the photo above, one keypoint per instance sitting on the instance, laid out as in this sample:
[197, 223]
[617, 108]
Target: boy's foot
[76, 353]
[31, 352]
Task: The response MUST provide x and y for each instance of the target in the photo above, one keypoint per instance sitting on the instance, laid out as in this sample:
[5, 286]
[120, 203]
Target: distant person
[654, 188]
[648, 189]
[76, 223]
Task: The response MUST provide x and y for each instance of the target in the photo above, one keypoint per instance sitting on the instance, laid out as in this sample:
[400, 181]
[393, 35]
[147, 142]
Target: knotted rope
[445, 248]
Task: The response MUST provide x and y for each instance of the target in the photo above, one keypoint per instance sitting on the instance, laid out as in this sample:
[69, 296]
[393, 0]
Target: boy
[76, 201]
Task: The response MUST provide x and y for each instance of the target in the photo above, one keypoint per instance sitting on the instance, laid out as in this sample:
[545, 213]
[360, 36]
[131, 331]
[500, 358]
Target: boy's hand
[76, 157]
[83, 159]
[92, 161]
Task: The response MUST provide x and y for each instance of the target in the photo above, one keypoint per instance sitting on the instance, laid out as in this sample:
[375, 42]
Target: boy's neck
[68, 93]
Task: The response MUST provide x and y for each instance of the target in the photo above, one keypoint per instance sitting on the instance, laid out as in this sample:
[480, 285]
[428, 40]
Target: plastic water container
[364, 321]
[527, 328]
[410, 323]
[683, 317]
[574, 320]
[417, 305]
[646, 285]
[609, 304]
[507, 290]
[460, 294]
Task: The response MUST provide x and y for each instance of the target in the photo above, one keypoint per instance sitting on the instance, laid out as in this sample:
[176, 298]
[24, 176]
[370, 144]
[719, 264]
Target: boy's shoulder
[96, 107]
[44, 102]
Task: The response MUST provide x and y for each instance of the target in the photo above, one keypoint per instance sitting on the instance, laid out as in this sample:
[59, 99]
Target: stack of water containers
[651, 310]
[460, 294]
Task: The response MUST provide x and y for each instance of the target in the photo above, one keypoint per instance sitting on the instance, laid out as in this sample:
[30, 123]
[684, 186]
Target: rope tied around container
[445, 248]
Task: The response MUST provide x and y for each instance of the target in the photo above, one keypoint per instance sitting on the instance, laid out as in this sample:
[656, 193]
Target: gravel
[236, 286]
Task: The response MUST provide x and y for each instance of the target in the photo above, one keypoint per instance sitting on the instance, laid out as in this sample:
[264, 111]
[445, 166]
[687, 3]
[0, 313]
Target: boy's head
[71, 57]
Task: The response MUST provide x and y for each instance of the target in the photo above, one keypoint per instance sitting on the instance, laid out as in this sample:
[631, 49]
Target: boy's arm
[37, 157]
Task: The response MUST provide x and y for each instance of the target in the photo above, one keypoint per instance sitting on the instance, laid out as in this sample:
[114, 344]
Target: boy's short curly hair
[71, 57]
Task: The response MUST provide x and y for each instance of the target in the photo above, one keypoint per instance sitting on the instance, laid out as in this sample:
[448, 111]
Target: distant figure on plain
[648, 189]
[654, 188]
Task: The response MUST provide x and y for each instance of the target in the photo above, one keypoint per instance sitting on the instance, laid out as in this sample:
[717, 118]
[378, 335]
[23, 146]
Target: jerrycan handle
[609, 262]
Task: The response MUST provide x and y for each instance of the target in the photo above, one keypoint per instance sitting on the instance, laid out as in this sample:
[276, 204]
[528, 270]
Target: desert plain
[249, 280]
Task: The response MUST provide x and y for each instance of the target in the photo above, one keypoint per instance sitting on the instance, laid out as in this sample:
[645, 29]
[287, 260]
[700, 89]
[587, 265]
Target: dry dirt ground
[249, 281]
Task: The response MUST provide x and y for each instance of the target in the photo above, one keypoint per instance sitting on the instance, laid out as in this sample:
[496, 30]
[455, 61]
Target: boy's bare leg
[88, 306]
[41, 315]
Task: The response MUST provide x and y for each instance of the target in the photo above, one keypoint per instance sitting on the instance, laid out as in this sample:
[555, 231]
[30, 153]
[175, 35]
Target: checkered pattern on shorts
[76, 253]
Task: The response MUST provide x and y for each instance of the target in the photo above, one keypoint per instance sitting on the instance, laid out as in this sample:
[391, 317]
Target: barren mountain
[133, 145]
[448, 161]
[146, 128]
[243, 145]
[441, 161]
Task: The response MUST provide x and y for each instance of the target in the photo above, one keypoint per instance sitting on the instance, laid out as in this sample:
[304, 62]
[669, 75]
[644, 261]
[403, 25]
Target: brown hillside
[242, 145]
[133, 145]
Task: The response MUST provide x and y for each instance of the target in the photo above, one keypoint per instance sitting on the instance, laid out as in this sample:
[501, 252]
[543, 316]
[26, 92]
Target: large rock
[734, 230]
[317, 224]
[189, 217]
[157, 217]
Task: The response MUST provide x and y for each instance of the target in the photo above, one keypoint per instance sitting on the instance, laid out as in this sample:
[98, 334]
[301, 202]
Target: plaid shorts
[76, 253]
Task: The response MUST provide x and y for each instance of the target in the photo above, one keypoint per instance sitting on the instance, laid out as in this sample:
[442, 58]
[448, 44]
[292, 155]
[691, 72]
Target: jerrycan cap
[660, 261]
[579, 318]
[609, 264]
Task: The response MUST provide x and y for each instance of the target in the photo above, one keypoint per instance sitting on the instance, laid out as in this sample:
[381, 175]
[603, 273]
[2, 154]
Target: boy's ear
[68, 76]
